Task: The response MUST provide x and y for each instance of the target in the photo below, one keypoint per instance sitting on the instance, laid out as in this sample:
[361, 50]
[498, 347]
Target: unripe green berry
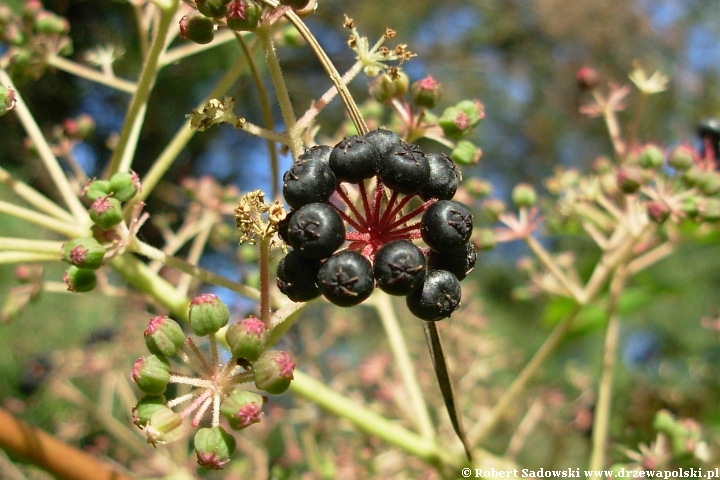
[84, 253]
[247, 338]
[484, 239]
[710, 209]
[214, 447]
[197, 28]
[692, 175]
[682, 157]
[629, 179]
[124, 185]
[650, 157]
[213, 8]
[242, 408]
[273, 372]
[163, 336]
[466, 153]
[426, 93]
[459, 120]
[691, 206]
[97, 189]
[709, 183]
[208, 314]
[79, 279]
[144, 409]
[384, 88]
[164, 426]
[478, 188]
[50, 24]
[243, 15]
[524, 195]
[151, 374]
[7, 100]
[492, 208]
[106, 212]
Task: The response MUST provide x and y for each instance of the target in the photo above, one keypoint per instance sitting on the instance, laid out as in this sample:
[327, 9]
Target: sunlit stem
[91, 74]
[199, 356]
[34, 198]
[201, 412]
[213, 351]
[180, 400]
[216, 410]
[265, 280]
[189, 361]
[192, 381]
[196, 403]
[67, 229]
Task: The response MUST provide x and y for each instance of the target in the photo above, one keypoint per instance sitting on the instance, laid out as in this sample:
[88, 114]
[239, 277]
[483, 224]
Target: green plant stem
[182, 137]
[91, 74]
[26, 257]
[139, 275]
[267, 115]
[370, 422]
[177, 54]
[33, 197]
[51, 163]
[330, 69]
[404, 364]
[159, 256]
[483, 428]
[264, 33]
[544, 257]
[265, 314]
[135, 116]
[28, 245]
[207, 221]
[67, 229]
[601, 419]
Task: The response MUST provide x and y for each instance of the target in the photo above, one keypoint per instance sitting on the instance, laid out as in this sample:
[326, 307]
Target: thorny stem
[91, 74]
[122, 157]
[264, 34]
[404, 364]
[601, 420]
[266, 114]
[51, 163]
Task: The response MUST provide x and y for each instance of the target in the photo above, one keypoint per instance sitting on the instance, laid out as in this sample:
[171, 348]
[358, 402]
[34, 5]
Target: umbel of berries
[216, 389]
[358, 208]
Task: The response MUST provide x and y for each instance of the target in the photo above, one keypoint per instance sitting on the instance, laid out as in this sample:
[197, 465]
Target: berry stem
[388, 208]
[213, 352]
[347, 218]
[179, 400]
[409, 228]
[192, 381]
[195, 404]
[365, 202]
[216, 410]
[412, 214]
[343, 194]
[388, 216]
[357, 237]
[196, 352]
[377, 201]
[203, 408]
[265, 280]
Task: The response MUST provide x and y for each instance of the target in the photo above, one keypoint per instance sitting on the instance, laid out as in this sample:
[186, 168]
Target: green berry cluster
[216, 386]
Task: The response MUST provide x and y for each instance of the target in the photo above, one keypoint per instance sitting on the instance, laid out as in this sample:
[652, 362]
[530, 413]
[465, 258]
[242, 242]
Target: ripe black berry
[346, 278]
[437, 298]
[308, 181]
[317, 152]
[399, 267]
[444, 178]
[459, 262]
[297, 277]
[384, 140]
[283, 225]
[354, 159]
[405, 169]
[446, 225]
[316, 231]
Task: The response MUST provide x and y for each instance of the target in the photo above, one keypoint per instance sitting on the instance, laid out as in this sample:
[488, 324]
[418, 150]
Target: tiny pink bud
[273, 372]
[208, 314]
[587, 78]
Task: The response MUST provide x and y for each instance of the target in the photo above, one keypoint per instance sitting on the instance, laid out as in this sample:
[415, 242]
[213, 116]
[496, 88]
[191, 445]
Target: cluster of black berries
[381, 252]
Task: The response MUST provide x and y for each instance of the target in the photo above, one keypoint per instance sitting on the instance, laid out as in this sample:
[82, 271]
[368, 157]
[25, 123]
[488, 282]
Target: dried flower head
[254, 218]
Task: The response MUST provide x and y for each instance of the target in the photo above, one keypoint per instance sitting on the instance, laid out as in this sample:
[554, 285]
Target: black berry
[459, 262]
[346, 278]
[318, 152]
[283, 227]
[405, 169]
[437, 298]
[384, 140]
[316, 231]
[444, 178]
[297, 277]
[308, 181]
[446, 225]
[399, 267]
[354, 159]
